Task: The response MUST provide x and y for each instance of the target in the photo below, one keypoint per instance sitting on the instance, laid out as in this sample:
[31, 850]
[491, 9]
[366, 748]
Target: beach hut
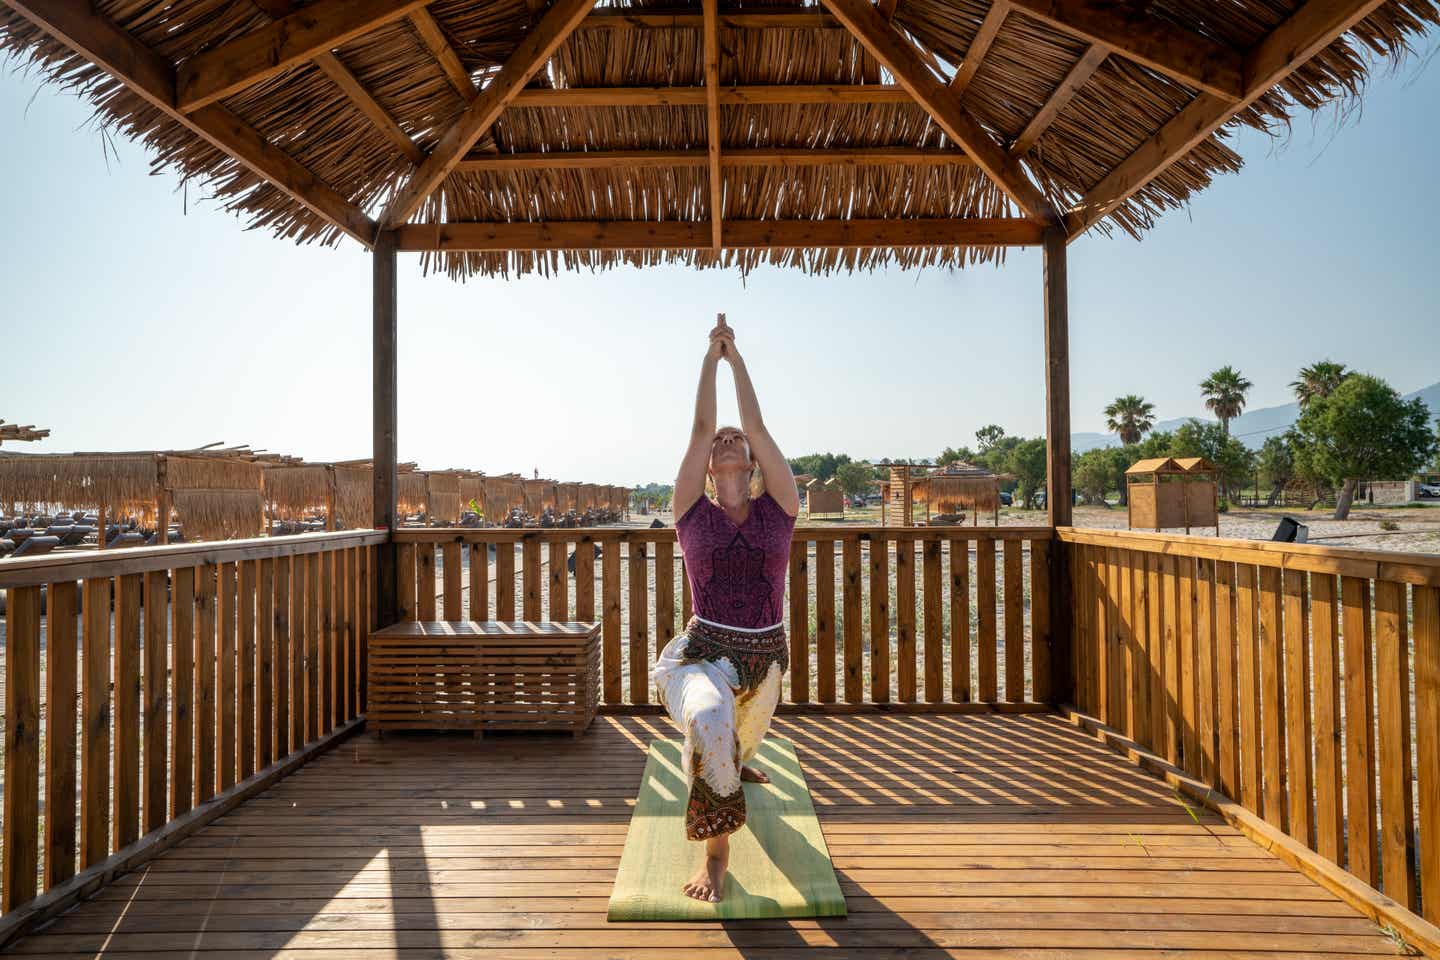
[960, 486]
[1165, 493]
[824, 497]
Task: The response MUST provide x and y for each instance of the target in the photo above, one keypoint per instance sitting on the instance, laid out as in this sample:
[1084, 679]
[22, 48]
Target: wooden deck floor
[1001, 836]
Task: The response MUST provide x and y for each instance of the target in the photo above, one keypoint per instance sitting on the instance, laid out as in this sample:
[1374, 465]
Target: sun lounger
[35, 546]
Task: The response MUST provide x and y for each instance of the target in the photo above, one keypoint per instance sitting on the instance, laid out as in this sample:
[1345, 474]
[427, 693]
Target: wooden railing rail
[850, 641]
[175, 673]
[1300, 681]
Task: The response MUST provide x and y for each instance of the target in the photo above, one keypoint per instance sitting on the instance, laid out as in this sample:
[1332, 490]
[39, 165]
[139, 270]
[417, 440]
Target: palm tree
[1131, 417]
[1224, 392]
[1318, 380]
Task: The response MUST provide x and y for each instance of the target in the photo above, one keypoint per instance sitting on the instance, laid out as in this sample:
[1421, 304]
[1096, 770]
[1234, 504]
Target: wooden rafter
[697, 235]
[433, 37]
[669, 18]
[1078, 76]
[712, 117]
[1305, 33]
[979, 46]
[734, 158]
[1162, 46]
[900, 58]
[697, 96]
[149, 75]
[27, 432]
[537, 47]
[276, 47]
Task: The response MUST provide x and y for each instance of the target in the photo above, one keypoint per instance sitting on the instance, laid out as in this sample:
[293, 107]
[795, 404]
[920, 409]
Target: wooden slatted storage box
[484, 675]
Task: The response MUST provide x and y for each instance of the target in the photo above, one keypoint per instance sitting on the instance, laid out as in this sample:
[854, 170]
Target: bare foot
[751, 775]
[708, 884]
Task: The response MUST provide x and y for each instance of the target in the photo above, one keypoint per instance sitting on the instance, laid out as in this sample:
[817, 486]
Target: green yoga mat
[779, 864]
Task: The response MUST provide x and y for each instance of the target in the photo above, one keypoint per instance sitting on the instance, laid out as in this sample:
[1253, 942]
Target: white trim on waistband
[726, 626]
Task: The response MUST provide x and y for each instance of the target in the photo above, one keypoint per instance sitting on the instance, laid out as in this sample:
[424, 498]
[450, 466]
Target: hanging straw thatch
[295, 491]
[411, 493]
[442, 496]
[472, 493]
[354, 495]
[316, 123]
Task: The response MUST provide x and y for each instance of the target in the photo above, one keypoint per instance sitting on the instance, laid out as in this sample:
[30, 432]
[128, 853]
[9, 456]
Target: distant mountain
[1252, 427]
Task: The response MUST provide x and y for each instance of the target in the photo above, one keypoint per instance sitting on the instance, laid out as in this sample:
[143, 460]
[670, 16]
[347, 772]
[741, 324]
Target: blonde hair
[757, 478]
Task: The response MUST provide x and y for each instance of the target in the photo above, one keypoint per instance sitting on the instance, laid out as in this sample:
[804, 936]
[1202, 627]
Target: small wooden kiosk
[1167, 493]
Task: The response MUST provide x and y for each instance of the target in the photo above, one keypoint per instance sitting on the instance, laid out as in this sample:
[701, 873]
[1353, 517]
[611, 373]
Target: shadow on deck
[1015, 835]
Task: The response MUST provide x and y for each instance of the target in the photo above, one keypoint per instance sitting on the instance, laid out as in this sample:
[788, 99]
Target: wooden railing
[180, 675]
[871, 610]
[1302, 682]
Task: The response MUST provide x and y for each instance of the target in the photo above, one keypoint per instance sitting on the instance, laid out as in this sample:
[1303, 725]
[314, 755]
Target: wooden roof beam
[433, 37]
[1305, 33]
[636, 18]
[899, 57]
[1180, 54]
[276, 47]
[534, 50]
[1078, 76]
[732, 159]
[712, 119]
[474, 237]
[149, 75]
[980, 45]
[697, 96]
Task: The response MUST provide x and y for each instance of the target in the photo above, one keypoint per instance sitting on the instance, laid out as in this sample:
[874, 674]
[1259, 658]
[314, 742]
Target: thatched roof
[16, 431]
[966, 486]
[293, 490]
[364, 115]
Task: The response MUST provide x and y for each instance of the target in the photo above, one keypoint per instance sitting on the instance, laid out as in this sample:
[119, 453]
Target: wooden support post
[1058, 497]
[100, 522]
[384, 398]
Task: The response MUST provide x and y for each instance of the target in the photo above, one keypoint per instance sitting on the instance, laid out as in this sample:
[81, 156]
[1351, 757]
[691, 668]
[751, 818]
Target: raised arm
[779, 481]
[690, 482]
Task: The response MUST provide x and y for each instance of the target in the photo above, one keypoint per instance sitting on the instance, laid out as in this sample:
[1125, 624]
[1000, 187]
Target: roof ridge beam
[899, 57]
[150, 76]
[1180, 54]
[276, 47]
[537, 47]
[732, 158]
[1302, 35]
[835, 234]
[665, 96]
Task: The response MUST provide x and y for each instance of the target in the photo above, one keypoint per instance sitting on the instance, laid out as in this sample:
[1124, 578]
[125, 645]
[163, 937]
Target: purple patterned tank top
[737, 574]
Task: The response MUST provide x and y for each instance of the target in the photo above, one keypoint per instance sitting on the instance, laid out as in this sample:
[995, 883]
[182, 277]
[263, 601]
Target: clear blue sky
[136, 315]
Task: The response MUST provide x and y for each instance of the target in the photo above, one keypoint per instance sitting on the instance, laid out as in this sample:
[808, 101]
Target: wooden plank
[22, 747]
[1360, 810]
[610, 606]
[711, 50]
[227, 701]
[1189, 710]
[985, 599]
[95, 724]
[961, 689]
[1329, 772]
[979, 46]
[665, 628]
[1272, 696]
[61, 700]
[1141, 680]
[265, 665]
[299, 644]
[206, 695]
[434, 40]
[1427, 746]
[325, 647]
[1117, 671]
[149, 75]
[479, 581]
[905, 650]
[825, 620]
[850, 601]
[505, 581]
[639, 594]
[315, 600]
[182, 643]
[1014, 621]
[155, 676]
[1156, 615]
[282, 656]
[1226, 708]
[369, 621]
[1298, 730]
[406, 558]
[685, 599]
[245, 585]
[1100, 634]
[1392, 707]
[1041, 663]
[1059, 98]
[799, 582]
[1309, 29]
[1174, 717]
[738, 158]
[451, 569]
[125, 796]
[584, 580]
[365, 102]
[1190, 58]
[340, 666]
[879, 618]
[534, 49]
[482, 237]
[1248, 688]
[1205, 696]
[530, 579]
[425, 582]
[559, 586]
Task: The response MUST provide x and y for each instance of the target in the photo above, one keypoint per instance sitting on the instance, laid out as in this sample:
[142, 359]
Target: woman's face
[730, 451]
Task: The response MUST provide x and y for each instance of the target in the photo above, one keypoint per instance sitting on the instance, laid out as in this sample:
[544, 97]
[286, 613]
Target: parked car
[1429, 491]
[1006, 500]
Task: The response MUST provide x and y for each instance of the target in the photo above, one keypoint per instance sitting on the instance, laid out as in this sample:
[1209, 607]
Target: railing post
[1058, 497]
[385, 456]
